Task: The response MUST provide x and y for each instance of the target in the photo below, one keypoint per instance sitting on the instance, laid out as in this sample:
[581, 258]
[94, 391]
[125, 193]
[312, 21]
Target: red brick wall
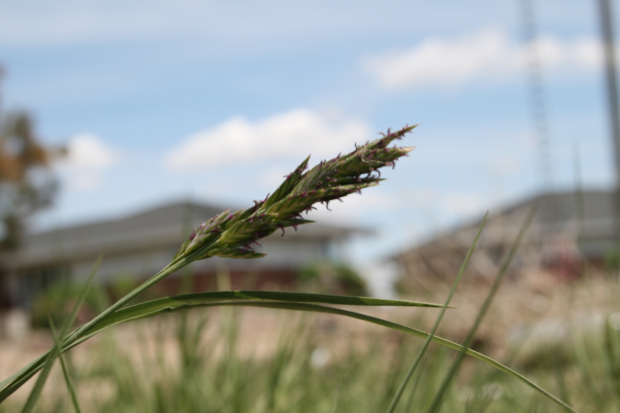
[267, 279]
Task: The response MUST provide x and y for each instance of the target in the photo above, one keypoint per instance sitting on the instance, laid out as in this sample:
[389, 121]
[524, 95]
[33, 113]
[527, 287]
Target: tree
[27, 184]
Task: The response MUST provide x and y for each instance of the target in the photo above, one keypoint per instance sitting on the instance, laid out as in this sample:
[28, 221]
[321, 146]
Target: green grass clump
[198, 361]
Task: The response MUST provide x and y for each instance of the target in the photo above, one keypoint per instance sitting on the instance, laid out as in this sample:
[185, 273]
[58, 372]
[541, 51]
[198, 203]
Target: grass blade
[132, 314]
[298, 297]
[335, 402]
[438, 399]
[65, 371]
[56, 351]
[38, 386]
[155, 307]
[283, 305]
[81, 298]
[15, 381]
[416, 362]
[148, 308]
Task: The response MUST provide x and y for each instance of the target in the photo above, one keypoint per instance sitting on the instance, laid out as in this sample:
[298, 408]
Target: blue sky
[216, 101]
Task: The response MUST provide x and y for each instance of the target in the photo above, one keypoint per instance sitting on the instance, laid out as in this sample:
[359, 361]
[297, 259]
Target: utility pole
[607, 32]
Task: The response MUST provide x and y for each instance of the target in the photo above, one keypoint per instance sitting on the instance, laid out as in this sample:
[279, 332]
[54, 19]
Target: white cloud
[296, 133]
[88, 156]
[487, 56]
[88, 151]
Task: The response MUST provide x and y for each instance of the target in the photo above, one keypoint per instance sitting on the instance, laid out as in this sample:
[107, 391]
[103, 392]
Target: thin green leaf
[55, 352]
[132, 315]
[438, 399]
[559, 375]
[15, 381]
[38, 385]
[455, 284]
[81, 298]
[190, 300]
[335, 402]
[65, 370]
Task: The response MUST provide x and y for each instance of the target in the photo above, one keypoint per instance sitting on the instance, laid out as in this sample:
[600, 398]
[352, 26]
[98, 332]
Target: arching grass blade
[331, 310]
[56, 350]
[65, 370]
[14, 382]
[455, 284]
[438, 399]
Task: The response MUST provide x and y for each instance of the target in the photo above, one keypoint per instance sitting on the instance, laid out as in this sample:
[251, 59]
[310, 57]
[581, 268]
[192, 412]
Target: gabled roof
[561, 207]
[166, 226]
[588, 214]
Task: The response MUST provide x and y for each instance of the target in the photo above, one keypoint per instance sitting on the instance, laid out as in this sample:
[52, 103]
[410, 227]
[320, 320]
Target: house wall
[284, 258]
[566, 229]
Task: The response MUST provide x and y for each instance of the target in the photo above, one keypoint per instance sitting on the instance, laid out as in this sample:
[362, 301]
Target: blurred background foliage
[331, 278]
[27, 184]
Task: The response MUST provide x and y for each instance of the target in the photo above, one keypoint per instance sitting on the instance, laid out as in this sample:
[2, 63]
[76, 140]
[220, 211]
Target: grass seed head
[232, 234]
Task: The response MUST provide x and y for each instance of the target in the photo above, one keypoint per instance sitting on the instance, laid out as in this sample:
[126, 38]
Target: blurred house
[567, 228]
[139, 245]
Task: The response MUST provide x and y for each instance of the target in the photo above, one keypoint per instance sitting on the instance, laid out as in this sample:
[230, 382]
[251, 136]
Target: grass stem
[455, 284]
